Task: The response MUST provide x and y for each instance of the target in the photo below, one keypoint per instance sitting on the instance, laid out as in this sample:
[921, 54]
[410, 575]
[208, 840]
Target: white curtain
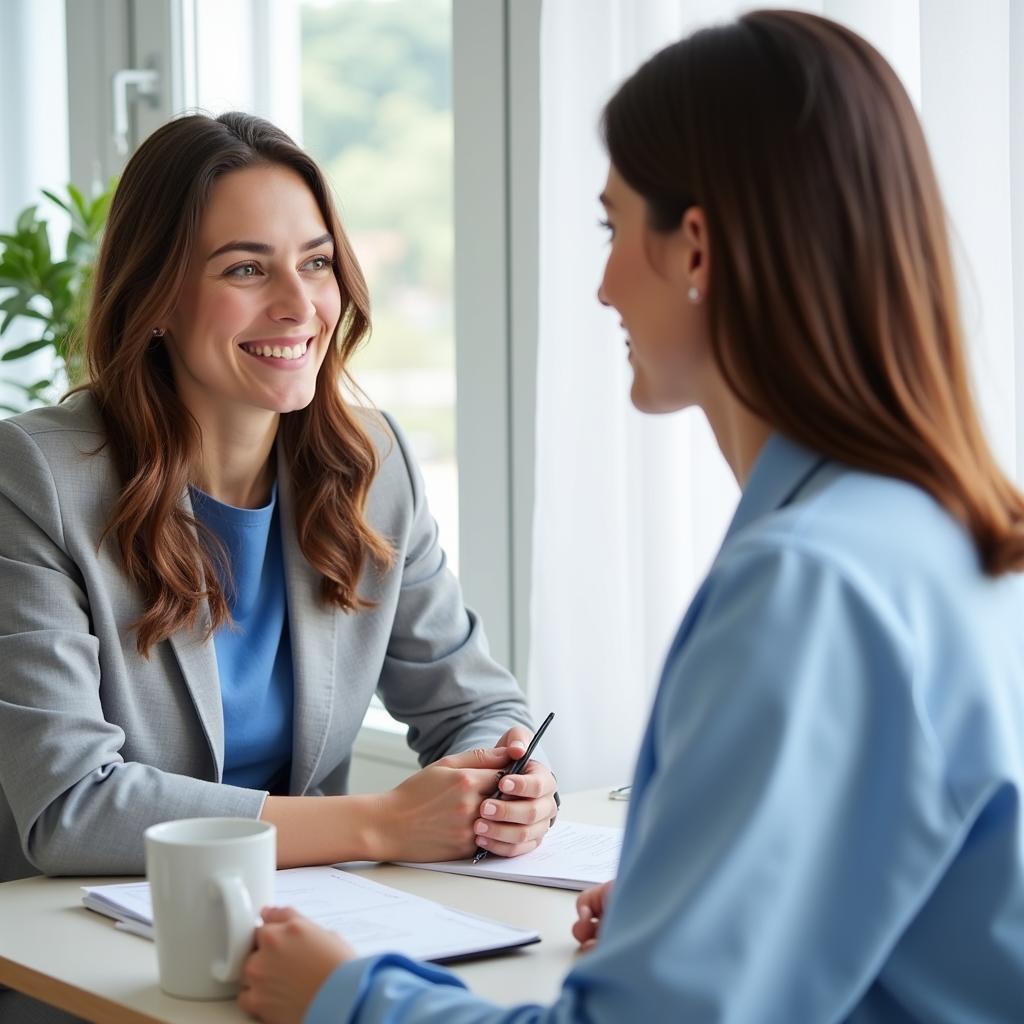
[630, 509]
[34, 153]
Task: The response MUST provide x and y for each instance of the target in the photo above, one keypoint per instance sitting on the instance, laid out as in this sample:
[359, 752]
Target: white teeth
[278, 351]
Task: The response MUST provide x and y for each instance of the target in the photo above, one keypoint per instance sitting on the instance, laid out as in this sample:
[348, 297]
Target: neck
[234, 464]
[740, 433]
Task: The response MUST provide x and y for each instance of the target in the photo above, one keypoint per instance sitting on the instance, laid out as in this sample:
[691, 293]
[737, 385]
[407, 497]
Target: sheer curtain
[629, 509]
[34, 155]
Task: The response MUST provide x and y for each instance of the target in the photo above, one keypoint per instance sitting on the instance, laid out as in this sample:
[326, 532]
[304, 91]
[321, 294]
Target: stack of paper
[375, 918]
[572, 856]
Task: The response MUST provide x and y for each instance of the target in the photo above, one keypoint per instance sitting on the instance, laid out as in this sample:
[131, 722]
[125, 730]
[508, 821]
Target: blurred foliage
[377, 116]
[53, 294]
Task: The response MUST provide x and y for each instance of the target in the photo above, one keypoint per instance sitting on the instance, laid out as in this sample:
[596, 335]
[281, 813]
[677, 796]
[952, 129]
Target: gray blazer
[97, 743]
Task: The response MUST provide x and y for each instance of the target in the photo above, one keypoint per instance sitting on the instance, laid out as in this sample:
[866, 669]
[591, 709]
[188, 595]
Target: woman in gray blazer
[211, 560]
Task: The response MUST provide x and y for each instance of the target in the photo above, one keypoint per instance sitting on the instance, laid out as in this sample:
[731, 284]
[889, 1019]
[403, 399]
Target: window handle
[147, 86]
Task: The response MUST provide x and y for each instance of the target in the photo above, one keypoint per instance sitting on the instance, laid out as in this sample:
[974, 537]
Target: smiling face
[647, 280]
[261, 302]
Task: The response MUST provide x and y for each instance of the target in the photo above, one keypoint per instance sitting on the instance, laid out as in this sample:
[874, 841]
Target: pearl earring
[158, 332]
[693, 294]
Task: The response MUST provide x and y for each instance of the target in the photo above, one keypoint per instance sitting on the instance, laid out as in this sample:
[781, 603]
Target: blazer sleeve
[78, 806]
[438, 675]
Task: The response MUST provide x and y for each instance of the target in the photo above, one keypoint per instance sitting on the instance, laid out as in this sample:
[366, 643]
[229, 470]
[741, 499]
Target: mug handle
[240, 920]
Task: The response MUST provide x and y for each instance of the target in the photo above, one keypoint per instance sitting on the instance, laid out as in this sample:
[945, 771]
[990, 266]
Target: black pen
[516, 768]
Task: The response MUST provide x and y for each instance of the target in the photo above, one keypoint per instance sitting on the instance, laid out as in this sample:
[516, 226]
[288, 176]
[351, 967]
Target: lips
[277, 351]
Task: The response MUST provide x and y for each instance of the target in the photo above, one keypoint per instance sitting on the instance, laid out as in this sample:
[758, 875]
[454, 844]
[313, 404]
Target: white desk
[55, 950]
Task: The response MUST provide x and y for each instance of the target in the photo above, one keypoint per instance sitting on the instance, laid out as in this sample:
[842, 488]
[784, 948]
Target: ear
[687, 252]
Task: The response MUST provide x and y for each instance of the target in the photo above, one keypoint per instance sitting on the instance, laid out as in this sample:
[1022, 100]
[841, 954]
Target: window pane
[377, 115]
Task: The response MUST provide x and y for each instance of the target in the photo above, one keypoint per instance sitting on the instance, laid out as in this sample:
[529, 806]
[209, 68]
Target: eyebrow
[265, 250]
[605, 201]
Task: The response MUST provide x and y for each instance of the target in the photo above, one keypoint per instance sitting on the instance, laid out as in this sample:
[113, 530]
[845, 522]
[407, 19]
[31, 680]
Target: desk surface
[54, 949]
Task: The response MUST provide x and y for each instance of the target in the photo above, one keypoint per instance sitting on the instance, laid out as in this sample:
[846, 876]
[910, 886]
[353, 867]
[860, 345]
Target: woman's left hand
[519, 823]
[292, 959]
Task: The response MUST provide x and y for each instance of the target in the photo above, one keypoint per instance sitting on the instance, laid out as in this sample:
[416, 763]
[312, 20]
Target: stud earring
[158, 332]
[693, 294]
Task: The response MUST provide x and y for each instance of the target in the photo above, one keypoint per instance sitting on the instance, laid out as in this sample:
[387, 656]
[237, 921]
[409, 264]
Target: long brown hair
[142, 265]
[831, 300]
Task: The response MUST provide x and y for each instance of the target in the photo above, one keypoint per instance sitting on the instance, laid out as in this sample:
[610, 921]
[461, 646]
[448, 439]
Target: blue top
[254, 657]
[825, 822]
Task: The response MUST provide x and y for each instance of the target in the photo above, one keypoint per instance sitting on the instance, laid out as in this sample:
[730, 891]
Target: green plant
[52, 294]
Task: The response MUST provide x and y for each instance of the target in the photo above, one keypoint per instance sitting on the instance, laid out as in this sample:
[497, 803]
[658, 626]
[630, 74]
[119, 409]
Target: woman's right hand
[590, 905]
[430, 815]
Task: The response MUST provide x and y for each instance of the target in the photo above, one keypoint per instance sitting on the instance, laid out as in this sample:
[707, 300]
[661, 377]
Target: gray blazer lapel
[198, 663]
[197, 660]
[313, 626]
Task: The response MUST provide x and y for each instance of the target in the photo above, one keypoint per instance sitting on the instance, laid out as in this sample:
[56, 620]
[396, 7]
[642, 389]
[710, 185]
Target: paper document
[572, 856]
[375, 918]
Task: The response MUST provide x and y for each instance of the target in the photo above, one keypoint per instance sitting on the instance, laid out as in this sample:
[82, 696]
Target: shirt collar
[782, 467]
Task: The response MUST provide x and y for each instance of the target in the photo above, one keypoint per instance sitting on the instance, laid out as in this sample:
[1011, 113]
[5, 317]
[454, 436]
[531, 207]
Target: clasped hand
[443, 811]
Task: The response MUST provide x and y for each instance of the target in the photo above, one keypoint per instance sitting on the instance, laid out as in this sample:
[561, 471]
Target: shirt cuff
[347, 986]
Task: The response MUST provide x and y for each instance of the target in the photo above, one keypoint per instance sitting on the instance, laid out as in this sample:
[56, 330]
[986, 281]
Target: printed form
[375, 918]
[572, 856]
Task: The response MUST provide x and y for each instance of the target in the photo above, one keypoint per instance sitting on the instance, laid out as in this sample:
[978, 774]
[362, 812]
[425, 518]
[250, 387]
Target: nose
[602, 296]
[291, 301]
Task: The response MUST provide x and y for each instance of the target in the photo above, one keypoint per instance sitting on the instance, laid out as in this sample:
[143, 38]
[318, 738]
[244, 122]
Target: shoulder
[55, 457]
[878, 552]
[868, 579]
[398, 476]
[73, 426]
[886, 538]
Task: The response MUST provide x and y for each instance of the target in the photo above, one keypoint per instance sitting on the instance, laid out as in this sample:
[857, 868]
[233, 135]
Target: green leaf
[59, 274]
[25, 350]
[16, 303]
[17, 264]
[41, 250]
[10, 317]
[10, 408]
[81, 250]
[98, 214]
[26, 219]
[36, 390]
[17, 245]
[80, 204]
[56, 199]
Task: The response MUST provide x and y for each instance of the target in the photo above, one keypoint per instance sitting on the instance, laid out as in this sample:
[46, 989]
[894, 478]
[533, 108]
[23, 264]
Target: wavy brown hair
[143, 261]
[832, 300]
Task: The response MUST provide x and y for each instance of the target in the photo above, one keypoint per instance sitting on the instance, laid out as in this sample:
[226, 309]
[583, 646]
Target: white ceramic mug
[208, 878]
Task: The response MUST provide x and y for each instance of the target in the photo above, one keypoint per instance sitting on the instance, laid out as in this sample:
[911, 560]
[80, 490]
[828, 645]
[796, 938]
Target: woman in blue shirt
[826, 818]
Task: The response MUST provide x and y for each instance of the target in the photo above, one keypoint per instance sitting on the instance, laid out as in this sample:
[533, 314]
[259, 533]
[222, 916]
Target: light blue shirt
[254, 658]
[826, 818]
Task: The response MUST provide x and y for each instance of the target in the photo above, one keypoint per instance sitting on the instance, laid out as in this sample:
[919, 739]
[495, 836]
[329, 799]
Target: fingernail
[481, 827]
[490, 808]
[482, 842]
[507, 786]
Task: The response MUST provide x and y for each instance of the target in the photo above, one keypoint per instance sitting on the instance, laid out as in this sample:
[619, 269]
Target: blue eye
[243, 270]
[320, 262]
